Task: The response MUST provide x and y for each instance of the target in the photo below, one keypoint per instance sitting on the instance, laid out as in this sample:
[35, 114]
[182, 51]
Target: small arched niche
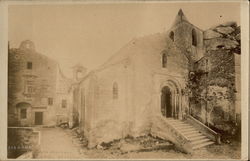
[171, 35]
[194, 37]
[164, 59]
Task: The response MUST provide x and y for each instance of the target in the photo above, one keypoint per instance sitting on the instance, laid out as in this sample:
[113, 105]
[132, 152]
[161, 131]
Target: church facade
[158, 76]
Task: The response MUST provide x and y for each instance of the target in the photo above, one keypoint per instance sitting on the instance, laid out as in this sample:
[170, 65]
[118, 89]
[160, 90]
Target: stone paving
[57, 143]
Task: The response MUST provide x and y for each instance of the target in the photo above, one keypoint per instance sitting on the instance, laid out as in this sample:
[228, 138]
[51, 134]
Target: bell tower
[187, 37]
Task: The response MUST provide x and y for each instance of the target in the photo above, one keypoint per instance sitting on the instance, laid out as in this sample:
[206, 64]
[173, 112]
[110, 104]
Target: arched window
[115, 90]
[171, 35]
[194, 38]
[164, 60]
[23, 113]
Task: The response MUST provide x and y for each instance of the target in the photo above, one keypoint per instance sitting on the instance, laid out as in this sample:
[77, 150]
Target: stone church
[182, 85]
[148, 87]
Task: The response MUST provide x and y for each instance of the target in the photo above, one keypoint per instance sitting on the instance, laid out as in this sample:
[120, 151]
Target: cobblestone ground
[57, 143]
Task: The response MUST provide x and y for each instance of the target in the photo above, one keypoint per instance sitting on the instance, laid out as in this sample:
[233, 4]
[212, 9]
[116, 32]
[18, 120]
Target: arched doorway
[22, 108]
[166, 102]
[23, 114]
[170, 100]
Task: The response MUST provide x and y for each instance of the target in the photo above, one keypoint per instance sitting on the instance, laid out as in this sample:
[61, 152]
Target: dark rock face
[230, 23]
[214, 86]
[210, 34]
[220, 43]
[225, 30]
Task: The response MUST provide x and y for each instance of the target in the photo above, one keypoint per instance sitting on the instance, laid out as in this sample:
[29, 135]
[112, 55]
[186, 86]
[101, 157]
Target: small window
[23, 113]
[171, 35]
[64, 103]
[50, 101]
[164, 60]
[115, 90]
[29, 65]
[194, 38]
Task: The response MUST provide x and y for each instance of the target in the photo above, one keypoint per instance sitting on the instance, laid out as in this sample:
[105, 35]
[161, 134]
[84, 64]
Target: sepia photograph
[124, 80]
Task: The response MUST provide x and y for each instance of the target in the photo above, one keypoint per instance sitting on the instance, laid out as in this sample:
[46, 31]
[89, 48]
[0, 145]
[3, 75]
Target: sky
[88, 34]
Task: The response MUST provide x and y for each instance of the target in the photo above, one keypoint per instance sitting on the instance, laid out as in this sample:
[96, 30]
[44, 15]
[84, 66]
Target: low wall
[20, 141]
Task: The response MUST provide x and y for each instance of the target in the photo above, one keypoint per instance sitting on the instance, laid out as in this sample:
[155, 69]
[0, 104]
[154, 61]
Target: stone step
[182, 126]
[193, 135]
[175, 121]
[202, 145]
[190, 132]
[186, 129]
[200, 141]
[197, 137]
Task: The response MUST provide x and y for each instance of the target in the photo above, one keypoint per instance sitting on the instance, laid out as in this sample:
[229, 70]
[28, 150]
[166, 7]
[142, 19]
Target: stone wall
[62, 93]
[106, 116]
[183, 40]
[139, 76]
[150, 76]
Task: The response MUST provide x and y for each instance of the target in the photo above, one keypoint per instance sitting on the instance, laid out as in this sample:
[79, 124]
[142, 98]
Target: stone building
[152, 78]
[37, 89]
[73, 97]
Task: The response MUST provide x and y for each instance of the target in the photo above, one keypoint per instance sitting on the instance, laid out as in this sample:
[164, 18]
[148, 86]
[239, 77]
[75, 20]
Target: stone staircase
[196, 138]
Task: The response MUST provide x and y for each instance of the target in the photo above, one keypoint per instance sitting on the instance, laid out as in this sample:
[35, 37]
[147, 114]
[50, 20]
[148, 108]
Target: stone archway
[170, 99]
[23, 113]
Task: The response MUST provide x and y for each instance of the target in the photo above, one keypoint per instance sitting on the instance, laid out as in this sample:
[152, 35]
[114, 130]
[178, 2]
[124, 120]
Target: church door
[166, 106]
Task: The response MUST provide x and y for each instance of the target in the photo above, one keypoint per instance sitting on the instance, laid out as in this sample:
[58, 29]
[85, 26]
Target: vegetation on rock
[212, 82]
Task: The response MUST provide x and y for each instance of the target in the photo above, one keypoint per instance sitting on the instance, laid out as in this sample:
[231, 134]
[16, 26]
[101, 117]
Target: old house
[37, 89]
[148, 87]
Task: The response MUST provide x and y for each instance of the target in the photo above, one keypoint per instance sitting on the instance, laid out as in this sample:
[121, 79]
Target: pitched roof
[149, 41]
[180, 17]
[156, 40]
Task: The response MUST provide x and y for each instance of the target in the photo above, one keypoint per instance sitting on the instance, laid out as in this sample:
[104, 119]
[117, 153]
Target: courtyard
[64, 143]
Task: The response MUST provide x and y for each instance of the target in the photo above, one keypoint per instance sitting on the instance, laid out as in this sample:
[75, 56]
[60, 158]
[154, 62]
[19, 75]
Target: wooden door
[38, 118]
